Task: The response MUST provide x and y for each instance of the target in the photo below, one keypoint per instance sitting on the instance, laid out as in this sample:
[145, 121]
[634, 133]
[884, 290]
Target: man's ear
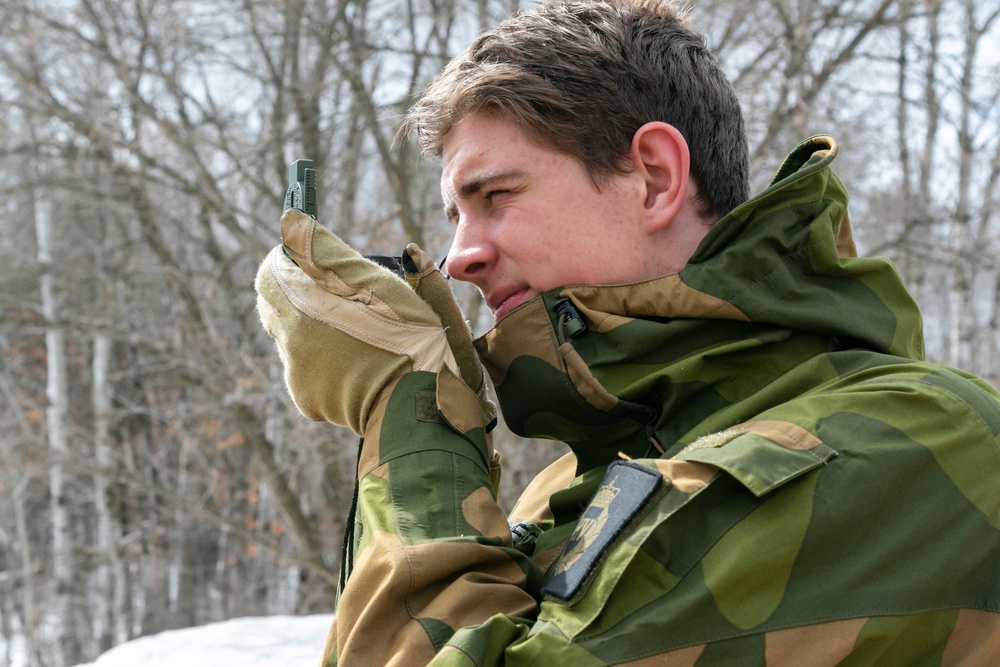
[661, 158]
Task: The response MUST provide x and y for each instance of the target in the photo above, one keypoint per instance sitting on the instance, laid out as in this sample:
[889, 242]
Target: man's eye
[496, 193]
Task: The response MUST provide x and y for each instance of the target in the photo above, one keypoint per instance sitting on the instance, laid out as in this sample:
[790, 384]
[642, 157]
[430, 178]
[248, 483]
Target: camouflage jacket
[763, 471]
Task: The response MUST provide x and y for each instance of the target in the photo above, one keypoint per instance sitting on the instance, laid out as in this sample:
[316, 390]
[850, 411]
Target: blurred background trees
[153, 473]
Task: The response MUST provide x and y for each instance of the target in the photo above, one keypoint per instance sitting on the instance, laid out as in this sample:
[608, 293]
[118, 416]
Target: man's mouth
[505, 300]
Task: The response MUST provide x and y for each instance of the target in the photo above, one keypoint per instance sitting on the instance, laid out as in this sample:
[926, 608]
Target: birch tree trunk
[63, 566]
[111, 572]
[29, 614]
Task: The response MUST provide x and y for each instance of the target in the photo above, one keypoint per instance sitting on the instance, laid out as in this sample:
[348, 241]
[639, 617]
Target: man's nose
[471, 254]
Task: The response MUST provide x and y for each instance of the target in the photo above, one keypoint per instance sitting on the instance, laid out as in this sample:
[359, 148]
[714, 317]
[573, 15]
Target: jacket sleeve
[434, 550]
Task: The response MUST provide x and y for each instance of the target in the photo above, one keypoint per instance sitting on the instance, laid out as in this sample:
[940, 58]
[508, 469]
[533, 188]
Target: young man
[763, 469]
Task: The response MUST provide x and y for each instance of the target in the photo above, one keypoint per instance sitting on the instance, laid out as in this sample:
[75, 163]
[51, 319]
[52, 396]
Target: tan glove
[345, 327]
[430, 284]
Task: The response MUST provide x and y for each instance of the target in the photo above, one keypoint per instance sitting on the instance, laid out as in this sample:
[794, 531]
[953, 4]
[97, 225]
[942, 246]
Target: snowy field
[269, 641]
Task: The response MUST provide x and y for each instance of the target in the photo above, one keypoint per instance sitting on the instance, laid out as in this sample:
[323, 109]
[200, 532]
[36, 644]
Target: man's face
[528, 219]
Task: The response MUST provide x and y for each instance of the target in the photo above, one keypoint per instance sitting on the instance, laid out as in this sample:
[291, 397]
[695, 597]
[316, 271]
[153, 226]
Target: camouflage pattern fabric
[765, 471]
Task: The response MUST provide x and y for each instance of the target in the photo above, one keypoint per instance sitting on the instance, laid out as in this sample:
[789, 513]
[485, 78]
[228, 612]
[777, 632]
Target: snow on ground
[264, 641]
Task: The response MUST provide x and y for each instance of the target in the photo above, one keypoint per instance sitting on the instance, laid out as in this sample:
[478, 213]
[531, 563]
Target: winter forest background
[153, 473]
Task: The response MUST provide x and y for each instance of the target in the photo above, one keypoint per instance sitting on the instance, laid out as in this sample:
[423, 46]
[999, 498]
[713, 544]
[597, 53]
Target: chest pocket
[653, 520]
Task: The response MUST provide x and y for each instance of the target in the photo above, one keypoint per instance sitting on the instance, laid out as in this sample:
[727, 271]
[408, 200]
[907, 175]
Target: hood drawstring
[571, 323]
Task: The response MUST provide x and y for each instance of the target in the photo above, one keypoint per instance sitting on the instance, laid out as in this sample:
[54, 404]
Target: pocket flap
[761, 455]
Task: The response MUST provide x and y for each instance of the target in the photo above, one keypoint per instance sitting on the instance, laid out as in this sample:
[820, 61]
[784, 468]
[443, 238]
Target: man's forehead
[480, 140]
[486, 149]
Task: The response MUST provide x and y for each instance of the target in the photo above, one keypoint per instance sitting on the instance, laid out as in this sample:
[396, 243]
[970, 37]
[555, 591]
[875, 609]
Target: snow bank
[268, 641]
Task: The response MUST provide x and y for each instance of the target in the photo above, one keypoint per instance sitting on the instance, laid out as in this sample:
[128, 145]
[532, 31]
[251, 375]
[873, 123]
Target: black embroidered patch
[624, 491]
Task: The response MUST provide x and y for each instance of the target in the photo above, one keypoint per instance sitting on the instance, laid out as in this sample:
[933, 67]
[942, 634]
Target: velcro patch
[625, 490]
[425, 407]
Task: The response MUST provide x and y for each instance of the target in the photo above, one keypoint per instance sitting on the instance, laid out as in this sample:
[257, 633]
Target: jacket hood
[774, 287]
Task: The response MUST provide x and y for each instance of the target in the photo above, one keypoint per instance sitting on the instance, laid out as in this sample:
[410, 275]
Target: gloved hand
[430, 284]
[345, 327]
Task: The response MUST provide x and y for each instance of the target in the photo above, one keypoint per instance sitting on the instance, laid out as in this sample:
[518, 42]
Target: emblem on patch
[625, 490]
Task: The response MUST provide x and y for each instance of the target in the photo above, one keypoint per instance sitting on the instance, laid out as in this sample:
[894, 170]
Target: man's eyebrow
[486, 180]
[478, 184]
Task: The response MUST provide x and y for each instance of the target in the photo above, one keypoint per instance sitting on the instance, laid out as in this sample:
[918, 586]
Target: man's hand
[346, 328]
[428, 282]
